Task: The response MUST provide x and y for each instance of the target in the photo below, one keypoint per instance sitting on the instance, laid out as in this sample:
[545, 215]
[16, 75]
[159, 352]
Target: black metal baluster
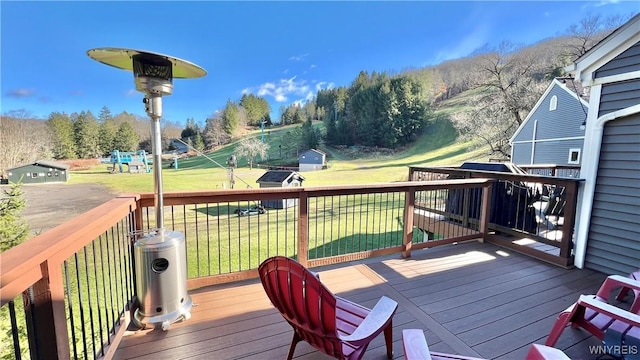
[208, 242]
[195, 209]
[98, 302]
[14, 331]
[93, 332]
[70, 308]
[81, 306]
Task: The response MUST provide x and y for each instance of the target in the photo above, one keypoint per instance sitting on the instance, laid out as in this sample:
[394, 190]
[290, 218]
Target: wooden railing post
[46, 318]
[303, 228]
[483, 227]
[571, 195]
[409, 208]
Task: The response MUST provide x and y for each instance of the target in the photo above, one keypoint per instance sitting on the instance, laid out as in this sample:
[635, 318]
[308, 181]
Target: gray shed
[607, 235]
[41, 171]
[280, 179]
[312, 160]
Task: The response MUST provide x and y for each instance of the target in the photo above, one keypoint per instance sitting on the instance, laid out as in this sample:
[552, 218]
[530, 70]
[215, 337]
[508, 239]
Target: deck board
[472, 299]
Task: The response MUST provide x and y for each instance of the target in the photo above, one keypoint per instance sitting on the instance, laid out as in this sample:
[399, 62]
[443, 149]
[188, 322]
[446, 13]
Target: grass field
[437, 146]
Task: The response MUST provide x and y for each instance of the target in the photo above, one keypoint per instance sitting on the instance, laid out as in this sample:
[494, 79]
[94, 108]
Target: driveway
[49, 205]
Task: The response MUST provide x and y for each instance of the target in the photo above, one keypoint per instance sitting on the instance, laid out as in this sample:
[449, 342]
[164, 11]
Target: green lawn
[438, 146]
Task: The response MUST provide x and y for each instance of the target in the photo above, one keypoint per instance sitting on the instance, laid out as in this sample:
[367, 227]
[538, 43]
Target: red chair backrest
[303, 301]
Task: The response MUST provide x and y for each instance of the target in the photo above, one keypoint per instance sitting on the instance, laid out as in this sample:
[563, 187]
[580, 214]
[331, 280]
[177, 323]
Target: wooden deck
[471, 299]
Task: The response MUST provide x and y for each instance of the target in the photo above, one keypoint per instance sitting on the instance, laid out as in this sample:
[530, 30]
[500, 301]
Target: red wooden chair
[333, 325]
[594, 314]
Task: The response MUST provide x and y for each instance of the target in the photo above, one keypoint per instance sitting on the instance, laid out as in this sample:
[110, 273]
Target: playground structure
[133, 160]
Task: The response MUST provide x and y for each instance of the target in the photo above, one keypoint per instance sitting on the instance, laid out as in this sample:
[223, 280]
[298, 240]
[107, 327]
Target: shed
[608, 217]
[41, 171]
[312, 160]
[276, 179]
[553, 131]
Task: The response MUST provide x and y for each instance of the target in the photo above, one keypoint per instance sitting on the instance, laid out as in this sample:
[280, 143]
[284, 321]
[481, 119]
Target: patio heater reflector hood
[153, 75]
[159, 256]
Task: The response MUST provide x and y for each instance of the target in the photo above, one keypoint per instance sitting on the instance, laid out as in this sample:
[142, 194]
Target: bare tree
[214, 134]
[22, 139]
[589, 31]
[508, 84]
[250, 148]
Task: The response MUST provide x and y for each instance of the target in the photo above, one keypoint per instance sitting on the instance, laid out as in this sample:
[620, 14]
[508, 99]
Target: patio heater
[160, 255]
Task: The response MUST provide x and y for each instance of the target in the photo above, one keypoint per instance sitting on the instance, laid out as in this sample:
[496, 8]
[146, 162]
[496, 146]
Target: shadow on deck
[471, 299]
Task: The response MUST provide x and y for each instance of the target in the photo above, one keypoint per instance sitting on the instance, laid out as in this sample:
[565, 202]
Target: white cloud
[21, 93]
[606, 2]
[130, 92]
[312, 66]
[298, 57]
[286, 71]
[284, 89]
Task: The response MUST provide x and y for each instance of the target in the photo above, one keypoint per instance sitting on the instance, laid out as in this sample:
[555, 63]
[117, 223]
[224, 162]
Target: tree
[198, 143]
[126, 138]
[508, 88]
[309, 136]
[257, 108]
[64, 145]
[13, 229]
[106, 136]
[190, 129]
[589, 31]
[250, 148]
[22, 139]
[86, 133]
[214, 133]
[231, 118]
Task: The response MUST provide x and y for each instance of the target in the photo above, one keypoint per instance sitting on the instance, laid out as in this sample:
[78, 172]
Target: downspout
[533, 141]
[593, 145]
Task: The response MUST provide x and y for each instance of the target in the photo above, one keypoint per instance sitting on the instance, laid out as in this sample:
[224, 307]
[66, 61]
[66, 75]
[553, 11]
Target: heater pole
[153, 106]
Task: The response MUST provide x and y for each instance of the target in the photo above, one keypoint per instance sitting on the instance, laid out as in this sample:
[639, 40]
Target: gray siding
[619, 95]
[556, 152]
[613, 245]
[521, 154]
[563, 122]
[311, 157]
[626, 62]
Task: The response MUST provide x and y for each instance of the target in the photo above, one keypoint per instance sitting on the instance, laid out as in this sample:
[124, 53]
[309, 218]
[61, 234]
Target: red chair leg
[296, 339]
[558, 328]
[388, 339]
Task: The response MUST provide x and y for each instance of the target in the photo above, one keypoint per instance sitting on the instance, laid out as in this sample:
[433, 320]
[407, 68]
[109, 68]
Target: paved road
[49, 205]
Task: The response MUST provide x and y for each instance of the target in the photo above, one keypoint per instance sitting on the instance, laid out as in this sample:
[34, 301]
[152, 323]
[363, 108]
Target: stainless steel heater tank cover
[161, 274]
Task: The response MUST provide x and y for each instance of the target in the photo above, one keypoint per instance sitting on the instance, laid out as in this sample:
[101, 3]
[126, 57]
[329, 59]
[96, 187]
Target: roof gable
[606, 50]
[278, 176]
[46, 163]
[554, 84]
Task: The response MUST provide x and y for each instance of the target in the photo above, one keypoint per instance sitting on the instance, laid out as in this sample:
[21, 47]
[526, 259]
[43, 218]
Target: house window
[553, 104]
[574, 156]
[34, 175]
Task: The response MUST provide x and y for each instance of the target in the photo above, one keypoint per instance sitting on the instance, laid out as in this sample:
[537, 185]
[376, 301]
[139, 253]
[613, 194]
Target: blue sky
[283, 51]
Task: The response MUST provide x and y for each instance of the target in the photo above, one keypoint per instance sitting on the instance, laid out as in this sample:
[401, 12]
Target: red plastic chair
[333, 325]
[594, 314]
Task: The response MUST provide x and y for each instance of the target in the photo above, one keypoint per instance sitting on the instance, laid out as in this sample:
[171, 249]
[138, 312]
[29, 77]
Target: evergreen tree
[13, 229]
[104, 115]
[63, 141]
[231, 118]
[106, 136]
[126, 138]
[198, 143]
[86, 135]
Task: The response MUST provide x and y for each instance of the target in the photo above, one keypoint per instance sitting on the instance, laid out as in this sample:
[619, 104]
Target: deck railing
[529, 213]
[565, 171]
[76, 280]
